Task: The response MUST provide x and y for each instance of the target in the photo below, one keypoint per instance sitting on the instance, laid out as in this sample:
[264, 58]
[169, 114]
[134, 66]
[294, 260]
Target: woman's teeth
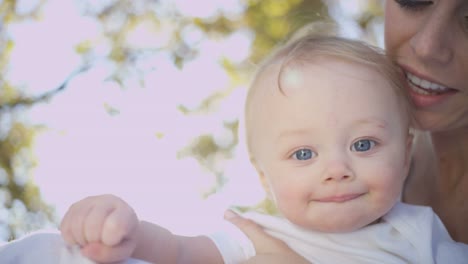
[425, 87]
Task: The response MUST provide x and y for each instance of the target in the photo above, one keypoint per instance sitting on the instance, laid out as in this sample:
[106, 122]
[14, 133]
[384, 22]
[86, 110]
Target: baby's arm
[158, 245]
[108, 230]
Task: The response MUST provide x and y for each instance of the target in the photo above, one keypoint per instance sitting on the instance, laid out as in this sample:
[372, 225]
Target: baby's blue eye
[363, 145]
[303, 154]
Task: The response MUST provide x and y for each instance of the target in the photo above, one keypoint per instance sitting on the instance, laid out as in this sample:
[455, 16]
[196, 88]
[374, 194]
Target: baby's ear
[409, 142]
[409, 147]
[261, 175]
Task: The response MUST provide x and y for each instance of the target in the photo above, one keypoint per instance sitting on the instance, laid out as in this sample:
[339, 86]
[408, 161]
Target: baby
[327, 127]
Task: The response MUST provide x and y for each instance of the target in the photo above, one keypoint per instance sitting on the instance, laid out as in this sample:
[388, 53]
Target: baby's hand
[104, 226]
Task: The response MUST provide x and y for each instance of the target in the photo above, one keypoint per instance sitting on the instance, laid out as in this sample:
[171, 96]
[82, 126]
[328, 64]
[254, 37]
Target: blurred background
[139, 98]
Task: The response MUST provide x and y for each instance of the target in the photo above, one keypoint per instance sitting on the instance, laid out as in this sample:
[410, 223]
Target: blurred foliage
[268, 21]
[21, 208]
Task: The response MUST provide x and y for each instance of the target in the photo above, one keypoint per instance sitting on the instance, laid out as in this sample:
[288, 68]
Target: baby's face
[334, 147]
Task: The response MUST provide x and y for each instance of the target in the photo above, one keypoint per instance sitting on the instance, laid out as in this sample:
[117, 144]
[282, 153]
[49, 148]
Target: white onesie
[407, 234]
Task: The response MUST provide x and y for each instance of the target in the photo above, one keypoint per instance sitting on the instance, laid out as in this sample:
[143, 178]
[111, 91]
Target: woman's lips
[424, 92]
[422, 98]
[424, 86]
[339, 198]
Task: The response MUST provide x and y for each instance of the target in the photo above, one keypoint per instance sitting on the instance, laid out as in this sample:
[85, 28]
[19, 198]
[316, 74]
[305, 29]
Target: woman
[429, 39]
[430, 42]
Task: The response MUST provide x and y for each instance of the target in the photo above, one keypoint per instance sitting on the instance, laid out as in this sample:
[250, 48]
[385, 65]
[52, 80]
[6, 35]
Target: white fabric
[45, 247]
[407, 234]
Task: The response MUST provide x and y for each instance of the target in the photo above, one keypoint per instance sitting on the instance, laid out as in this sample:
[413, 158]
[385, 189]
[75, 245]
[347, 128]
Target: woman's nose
[433, 40]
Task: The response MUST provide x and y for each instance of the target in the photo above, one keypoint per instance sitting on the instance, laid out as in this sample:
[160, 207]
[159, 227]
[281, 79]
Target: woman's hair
[308, 47]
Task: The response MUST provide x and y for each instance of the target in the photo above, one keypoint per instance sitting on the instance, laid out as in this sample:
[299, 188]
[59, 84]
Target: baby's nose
[337, 171]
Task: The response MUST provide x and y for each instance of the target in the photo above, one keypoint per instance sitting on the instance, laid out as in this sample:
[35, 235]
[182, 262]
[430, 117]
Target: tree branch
[29, 101]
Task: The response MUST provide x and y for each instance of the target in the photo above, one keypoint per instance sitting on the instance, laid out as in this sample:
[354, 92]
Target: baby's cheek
[389, 185]
[290, 199]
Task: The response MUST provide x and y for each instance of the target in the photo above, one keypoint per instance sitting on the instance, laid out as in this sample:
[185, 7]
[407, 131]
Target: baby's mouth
[340, 198]
[425, 87]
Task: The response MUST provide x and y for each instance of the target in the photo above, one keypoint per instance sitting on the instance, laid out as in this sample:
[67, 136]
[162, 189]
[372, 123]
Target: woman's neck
[451, 150]
[439, 178]
[451, 192]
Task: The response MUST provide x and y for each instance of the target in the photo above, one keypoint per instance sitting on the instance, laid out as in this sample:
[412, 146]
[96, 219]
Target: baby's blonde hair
[311, 45]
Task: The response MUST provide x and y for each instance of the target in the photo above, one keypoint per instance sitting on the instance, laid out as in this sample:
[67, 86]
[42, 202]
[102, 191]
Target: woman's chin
[429, 111]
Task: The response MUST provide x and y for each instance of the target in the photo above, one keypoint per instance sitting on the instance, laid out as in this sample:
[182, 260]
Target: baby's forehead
[321, 81]
[285, 77]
